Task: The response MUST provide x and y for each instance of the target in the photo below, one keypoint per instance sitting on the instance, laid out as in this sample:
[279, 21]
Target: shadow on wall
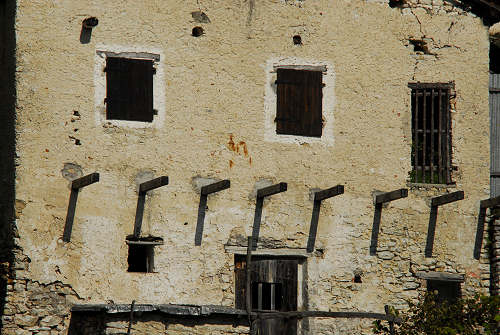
[100, 323]
[7, 145]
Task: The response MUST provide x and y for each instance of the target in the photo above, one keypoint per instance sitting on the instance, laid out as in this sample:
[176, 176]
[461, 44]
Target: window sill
[286, 252]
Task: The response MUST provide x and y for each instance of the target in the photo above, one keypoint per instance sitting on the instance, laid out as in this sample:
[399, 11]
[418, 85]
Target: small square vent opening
[141, 253]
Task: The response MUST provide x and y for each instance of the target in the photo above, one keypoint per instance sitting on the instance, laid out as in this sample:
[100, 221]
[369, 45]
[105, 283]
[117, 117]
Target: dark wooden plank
[131, 317]
[145, 242]
[288, 102]
[85, 181]
[200, 222]
[240, 281]
[489, 203]
[443, 276]
[313, 228]
[139, 213]
[256, 221]
[447, 198]
[478, 243]
[114, 74]
[375, 229]
[140, 90]
[196, 310]
[328, 193]
[152, 184]
[390, 196]
[324, 314]
[270, 190]
[70, 215]
[431, 231]
[320, 68]
[286, 274]
[312, 116]
[248, 282]
[215, 187]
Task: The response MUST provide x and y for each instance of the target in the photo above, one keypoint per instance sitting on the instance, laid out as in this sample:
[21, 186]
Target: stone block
[51, 321]
[387, 255]
[26, 320]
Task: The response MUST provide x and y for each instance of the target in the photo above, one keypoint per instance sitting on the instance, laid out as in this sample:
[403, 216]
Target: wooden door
[273, 288]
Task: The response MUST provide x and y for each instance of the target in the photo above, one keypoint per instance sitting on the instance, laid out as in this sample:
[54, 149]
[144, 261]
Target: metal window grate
[431, 133]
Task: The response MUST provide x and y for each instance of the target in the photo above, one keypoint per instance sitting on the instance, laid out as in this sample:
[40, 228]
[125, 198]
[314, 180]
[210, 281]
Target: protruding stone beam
[483, 206]
[76, 185]
[379, 201]
[261, 194]
[435, 203]
[205, 191]
[141, 199]
[318, 197]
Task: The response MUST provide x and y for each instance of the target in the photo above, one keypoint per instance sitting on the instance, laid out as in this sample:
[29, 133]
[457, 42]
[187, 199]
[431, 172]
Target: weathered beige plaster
[214, 117]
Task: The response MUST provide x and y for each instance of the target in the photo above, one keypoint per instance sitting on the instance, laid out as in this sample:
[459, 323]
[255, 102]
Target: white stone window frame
[270, 99]
[134, 52]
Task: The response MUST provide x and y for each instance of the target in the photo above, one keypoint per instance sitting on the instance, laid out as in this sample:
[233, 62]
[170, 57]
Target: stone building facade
[212, 82]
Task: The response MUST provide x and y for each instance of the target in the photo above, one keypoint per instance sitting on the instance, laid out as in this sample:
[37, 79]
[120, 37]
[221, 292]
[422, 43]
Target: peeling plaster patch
[270, 101]
[20, 205]
[71, 171]
[159, 95]
[198, 182]
[312, 191]
[200, 17]
[143, 176]
[258, 185]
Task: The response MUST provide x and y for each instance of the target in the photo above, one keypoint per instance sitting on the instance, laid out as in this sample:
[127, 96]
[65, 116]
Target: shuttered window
[431, 133]
[129, 89]
[299, 102]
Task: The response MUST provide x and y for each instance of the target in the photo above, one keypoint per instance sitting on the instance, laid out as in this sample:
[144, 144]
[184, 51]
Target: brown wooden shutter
[299, 102]
[129, 89]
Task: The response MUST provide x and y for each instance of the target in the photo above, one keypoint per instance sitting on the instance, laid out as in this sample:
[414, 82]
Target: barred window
[431, 133]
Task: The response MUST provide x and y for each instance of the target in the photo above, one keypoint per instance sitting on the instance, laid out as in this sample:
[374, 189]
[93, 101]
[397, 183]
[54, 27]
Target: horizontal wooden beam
[324, 314]
[390, 196]
[85, 181]
[215, 187]
[442, 276]
[205, 310]
[491, 202]
[270, 190]
[328, 193]
[152, 184]
[447, 198]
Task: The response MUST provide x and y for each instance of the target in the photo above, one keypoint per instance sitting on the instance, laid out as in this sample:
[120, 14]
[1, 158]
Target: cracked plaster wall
[214, 128]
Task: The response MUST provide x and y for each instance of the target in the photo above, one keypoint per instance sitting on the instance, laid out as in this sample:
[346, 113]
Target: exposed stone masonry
[31, 307]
